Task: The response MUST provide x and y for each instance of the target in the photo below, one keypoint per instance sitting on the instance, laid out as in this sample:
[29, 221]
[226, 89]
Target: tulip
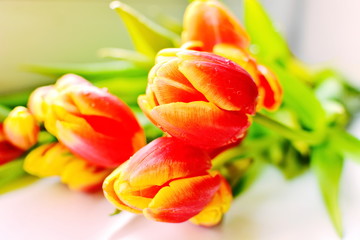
[270, 90]
[166, 181]
[200, 98]
[210, 22]
[8, 151]
[55, 159]
[21, 128]
[92, 123]
[209, 26]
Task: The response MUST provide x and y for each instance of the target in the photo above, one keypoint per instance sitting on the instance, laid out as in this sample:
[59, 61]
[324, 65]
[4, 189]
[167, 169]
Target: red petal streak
[182, 199]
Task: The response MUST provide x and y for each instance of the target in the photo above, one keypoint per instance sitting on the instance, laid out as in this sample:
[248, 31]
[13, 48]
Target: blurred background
[320, 32]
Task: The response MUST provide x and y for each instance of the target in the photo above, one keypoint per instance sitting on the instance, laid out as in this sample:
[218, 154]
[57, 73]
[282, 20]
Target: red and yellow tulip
[200, 98]
[209, 26]
[55, 159]
[169, 181]
[94, 124]
[20, 128]
[211, 23]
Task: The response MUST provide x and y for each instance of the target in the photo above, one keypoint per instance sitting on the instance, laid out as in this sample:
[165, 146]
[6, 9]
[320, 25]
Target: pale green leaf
[299, 97]
[90, 71]
[327, 165]
[137, 58]
[269, 43]
[347, 144]
[147, 36]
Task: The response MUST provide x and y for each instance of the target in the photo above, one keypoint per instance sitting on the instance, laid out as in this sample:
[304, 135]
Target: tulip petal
[96, 148]
[79, 175]
[213, 212]
[201, 124]
[182, 199]
[110, 191]
[163, 160]
[230, 88]
[89, 100]
[170, 85]
[271, 87]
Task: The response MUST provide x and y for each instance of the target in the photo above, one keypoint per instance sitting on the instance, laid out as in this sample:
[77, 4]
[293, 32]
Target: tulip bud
[199, 97]
[166, 181]
[8, 151]
[209, 22]
[55, 159]
[21, 128]
[92, 123]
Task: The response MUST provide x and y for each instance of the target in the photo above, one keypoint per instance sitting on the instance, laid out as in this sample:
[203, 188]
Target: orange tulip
[92, 123]
[55, 159]
[210, 22]
[8, 151]
[199, 97]
[166, 181]
[21, 128]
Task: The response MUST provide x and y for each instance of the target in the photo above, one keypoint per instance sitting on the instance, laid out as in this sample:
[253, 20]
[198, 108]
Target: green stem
[312, 138]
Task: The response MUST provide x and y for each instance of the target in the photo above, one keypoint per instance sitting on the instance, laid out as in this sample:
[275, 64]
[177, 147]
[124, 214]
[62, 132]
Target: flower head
[21, 128]
[166, 181]
[199, 97]
[92, 123]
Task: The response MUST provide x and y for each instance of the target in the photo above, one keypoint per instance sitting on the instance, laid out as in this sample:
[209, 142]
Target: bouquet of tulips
[178, 128]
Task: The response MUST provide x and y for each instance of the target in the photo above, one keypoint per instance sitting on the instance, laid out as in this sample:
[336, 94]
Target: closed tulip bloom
[21, 129]
[210, 22]
[94, 124]
[166, 181]
[55, 159]
[8, 151]
[213, 213]
[203, 99]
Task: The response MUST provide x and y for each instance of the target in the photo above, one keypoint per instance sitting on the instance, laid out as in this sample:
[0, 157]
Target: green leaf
[148, 37]
[4, 111]
[18, 98]
[11, 175]
[128, 89]
[18, 183]
[249, 177]
[137, 58]
[116, 212]
[301, 99]
[347, 144]
[269, 43]
[327, 165]
[90, 71]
